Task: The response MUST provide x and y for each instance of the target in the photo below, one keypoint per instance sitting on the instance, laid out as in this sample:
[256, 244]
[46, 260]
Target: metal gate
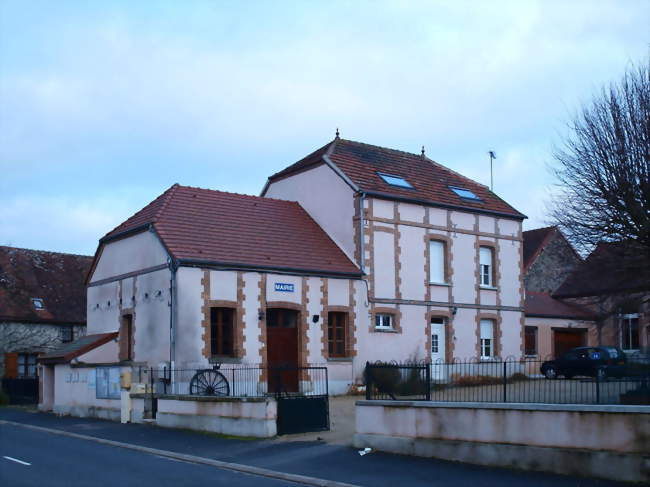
[21, 390]
[306, 409]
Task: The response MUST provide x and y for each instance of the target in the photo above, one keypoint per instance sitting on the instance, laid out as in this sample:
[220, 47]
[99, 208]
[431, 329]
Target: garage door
[565, 340]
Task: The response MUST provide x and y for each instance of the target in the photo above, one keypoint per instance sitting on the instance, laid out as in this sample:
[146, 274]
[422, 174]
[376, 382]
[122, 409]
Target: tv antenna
[493, 156]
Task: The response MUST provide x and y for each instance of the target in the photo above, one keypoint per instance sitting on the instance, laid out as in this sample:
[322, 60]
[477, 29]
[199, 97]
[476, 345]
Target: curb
[235, 467]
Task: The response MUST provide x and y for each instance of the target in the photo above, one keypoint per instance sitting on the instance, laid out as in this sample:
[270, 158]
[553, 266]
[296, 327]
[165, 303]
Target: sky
[104, 105]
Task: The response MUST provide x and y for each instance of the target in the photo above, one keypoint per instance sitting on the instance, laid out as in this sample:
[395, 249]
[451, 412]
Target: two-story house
[355, 253]
[441, 254]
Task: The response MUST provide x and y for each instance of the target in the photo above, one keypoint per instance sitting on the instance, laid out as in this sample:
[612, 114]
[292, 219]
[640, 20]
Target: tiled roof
[611, 268]
[534, 242]
[80, 346]
[206, 226]
[57, 279]
[361, 163]
[544, 305]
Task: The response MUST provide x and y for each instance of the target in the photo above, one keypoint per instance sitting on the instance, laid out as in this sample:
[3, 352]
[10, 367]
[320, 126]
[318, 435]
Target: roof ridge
[540, 228]
[44, 251]
[382, 147]
[232, 193]
[168, 195]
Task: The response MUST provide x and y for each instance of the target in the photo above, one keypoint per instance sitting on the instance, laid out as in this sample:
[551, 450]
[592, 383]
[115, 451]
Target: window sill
[530, 355]
[443, 284]
[340, 359]
[381, 330]
[223, 359]
[489, 288]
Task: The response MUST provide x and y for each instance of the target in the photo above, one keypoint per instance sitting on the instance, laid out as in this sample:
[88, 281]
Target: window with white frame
[487, 338]
[486, 260]
[630, 331]
[384, 321]
[437, 260]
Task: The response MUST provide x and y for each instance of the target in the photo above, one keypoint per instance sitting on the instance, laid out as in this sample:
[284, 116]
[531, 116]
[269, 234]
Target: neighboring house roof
[545, 306]
[54, 278]
[360, 165]
[202, 227]
[613, 267]
[74, 349]
[535, 241]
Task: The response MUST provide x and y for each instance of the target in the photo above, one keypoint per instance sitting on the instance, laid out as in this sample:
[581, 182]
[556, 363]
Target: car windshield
[613, 353]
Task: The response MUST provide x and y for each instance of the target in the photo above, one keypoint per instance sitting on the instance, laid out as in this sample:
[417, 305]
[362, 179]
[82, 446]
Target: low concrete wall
[238, 416]
[611, 442]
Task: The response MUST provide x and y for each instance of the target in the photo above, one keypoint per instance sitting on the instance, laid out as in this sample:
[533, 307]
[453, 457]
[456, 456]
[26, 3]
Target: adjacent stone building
[42, 305]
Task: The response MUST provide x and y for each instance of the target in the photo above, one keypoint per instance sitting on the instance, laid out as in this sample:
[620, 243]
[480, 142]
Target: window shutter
[486, 256]
[11, 365]
[436, 261]
[487, 328]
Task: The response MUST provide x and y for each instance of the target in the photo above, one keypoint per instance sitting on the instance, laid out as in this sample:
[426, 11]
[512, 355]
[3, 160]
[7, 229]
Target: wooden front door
[565, 340]
[282, 349]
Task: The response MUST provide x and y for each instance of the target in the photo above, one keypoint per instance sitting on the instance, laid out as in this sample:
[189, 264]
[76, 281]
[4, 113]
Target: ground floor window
[630, 332]
[222, 325]
[337, 331]
[383, 321]
[530, 340]
[487, 338]
[27, 365]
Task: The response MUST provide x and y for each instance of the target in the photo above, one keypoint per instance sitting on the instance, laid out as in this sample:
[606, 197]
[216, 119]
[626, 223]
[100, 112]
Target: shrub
[475, 380]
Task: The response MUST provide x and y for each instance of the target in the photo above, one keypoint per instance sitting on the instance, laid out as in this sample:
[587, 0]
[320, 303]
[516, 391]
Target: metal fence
[235, 380]
[512, 380]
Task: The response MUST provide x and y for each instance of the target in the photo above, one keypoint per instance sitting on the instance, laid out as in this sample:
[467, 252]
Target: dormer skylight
[393, 180]
[466, 194]
[38, 303]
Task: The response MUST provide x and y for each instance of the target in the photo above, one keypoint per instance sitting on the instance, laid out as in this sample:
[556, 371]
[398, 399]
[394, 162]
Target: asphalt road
[60, 461]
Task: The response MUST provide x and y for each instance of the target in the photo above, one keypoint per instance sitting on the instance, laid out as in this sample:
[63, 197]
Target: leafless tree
[603, 168]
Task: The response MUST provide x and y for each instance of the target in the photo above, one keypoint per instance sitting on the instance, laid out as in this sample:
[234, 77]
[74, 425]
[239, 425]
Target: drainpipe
[362, 246]
[173, 267]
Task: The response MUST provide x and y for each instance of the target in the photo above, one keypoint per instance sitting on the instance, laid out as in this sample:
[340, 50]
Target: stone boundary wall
[611, 442]
[237, 416]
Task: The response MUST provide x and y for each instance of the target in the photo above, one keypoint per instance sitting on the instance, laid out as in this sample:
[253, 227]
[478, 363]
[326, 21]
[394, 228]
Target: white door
[437, 348]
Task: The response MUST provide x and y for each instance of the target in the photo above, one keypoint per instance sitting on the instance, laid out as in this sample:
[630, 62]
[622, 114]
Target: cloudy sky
[103, 105]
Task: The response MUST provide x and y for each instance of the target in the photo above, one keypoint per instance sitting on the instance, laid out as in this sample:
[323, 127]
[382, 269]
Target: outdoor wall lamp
[315, 318]
[260, 315]
[454, 310]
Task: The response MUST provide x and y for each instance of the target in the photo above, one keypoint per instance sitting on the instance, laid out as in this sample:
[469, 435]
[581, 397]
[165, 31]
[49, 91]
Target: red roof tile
[206, 226]
[544, 305]
[361, 163]
[57, 279]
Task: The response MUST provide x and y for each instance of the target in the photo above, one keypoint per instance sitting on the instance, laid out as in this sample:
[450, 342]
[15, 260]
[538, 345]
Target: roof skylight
[38, 303]
[464, 193]
[393, 180]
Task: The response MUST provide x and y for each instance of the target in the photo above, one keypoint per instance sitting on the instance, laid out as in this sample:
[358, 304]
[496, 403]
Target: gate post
[368, 381]
[505, 380]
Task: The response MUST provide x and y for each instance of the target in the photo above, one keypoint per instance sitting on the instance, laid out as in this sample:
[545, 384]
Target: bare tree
[603, 168]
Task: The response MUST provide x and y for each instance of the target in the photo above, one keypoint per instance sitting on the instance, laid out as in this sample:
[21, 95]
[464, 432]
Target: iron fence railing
[511, 380]
[235, 380]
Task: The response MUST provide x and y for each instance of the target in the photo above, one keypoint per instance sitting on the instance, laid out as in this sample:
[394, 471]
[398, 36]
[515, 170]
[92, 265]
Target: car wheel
[550, 373]
[601, 374]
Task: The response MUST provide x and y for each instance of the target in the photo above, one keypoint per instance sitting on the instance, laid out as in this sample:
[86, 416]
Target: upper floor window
[126, 338]
[66, 334]
[383, 321]
[487, 338]
[437, 261]
[222, 326]
[630, 332]
[337, 331]
[395, 180]
[486, 259]
[464, 193]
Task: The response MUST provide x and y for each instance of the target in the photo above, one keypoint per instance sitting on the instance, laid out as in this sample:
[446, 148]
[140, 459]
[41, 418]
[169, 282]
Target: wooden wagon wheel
[209, 383]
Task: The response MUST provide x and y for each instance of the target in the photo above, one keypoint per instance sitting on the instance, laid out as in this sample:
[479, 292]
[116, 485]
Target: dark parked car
[597, 362]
